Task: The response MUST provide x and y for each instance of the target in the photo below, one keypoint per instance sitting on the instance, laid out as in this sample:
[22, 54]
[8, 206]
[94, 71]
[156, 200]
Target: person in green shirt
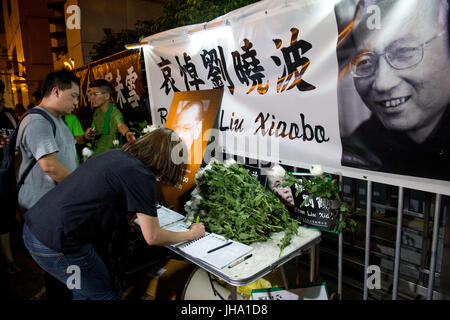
[107, 121]
[75, 127]
[77, 130]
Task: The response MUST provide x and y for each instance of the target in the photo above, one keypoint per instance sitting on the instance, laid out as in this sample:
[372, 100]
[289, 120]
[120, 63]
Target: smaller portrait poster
[312, 211]
[192, 115]
[308, 209]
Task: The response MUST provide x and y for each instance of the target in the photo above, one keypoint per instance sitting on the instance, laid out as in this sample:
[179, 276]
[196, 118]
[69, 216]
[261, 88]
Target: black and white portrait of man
[396, 57]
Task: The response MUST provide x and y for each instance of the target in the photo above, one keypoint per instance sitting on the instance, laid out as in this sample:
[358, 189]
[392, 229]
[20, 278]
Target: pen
[220, 247]
[239, 261]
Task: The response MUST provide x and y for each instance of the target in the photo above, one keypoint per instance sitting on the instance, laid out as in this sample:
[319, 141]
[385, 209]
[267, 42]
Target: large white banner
[288, 98]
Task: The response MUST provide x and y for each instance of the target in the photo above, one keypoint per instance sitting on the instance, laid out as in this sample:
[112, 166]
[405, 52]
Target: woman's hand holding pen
[197, 230]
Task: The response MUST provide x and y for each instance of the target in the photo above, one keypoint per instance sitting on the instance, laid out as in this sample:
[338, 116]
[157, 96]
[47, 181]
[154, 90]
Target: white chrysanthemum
[149, 129]
[229, 162]
[213, 160]
[199, 174]
[87, 152]
[195, 204]
[153, 128]
[197, 199]
[189, 213]
[194, 193]
[278, 172]
[187, 206]
[316, 170]
[115, 143]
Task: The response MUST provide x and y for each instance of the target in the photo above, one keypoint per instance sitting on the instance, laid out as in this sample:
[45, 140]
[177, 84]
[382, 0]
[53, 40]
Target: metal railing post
[398, 242]
[341, 244]
[437, 209]
[367, 249]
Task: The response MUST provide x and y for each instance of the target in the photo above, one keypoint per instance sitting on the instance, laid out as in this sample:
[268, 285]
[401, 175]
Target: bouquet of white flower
[87, 153]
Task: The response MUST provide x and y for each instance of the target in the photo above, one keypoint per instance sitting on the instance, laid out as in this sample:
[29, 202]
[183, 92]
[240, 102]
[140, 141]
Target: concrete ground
[27, 284]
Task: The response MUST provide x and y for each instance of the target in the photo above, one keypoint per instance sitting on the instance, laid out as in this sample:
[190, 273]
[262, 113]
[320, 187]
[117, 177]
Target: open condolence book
[216, 250]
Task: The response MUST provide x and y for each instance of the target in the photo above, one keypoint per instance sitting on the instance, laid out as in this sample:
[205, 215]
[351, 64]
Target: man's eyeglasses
[400, 55]
[96, 93]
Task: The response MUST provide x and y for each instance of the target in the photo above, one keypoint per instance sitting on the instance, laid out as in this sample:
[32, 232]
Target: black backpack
[9, 187]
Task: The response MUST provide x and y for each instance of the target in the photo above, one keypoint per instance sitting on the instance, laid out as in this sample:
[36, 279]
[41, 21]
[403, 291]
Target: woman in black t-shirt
[61, 227]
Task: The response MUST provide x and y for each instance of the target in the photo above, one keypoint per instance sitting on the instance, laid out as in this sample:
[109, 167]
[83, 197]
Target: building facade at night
[39, 36]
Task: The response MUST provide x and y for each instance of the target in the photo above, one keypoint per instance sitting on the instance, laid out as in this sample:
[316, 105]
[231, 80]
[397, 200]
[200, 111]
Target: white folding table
[265, 257]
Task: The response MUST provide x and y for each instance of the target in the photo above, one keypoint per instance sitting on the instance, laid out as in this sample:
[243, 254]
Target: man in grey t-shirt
[55, 154]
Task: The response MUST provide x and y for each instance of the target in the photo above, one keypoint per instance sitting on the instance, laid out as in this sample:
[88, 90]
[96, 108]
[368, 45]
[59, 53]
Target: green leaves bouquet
[233, 203]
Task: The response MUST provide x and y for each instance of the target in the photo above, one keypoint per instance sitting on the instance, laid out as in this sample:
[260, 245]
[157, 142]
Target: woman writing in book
[63, 229]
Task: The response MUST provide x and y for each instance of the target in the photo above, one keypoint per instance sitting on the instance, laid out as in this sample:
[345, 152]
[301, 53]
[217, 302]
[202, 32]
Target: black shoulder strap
[46, 116]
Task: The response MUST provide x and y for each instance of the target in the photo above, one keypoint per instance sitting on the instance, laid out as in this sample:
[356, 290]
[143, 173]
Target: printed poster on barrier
[192, 115]
[324, 84]
[308, 209]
